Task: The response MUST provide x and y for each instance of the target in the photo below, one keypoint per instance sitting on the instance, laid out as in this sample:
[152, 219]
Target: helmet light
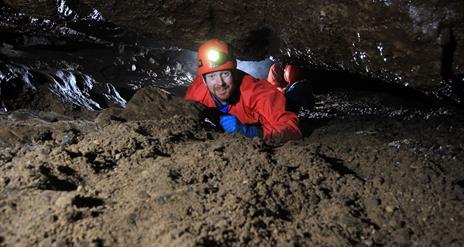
[213, 55]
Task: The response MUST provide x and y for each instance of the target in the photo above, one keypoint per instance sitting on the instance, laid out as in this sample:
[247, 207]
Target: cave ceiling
[416, 43]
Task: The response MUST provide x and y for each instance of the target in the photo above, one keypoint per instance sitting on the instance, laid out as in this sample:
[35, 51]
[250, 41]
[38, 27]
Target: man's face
[221, 84]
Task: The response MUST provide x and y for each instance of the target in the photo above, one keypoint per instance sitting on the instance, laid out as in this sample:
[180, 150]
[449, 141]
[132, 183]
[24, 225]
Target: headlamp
[213, 55]
[216, 58]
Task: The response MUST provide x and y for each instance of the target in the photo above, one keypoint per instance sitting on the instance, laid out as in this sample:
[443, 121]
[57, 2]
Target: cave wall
[416, 43]
[34, 8]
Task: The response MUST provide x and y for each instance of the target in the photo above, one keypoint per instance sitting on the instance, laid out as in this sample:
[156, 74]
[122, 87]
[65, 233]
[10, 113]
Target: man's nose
[221, 80]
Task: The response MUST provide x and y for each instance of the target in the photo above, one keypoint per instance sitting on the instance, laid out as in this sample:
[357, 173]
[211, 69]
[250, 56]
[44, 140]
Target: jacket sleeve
[278, 124]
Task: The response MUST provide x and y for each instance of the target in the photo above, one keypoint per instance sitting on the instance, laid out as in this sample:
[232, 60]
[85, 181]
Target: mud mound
[154, 104]
[27, 127]
[169, 182]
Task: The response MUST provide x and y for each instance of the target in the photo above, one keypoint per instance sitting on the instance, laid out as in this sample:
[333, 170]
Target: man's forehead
[219, 71]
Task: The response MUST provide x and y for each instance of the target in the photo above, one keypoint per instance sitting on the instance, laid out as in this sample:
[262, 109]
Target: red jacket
[259, 103]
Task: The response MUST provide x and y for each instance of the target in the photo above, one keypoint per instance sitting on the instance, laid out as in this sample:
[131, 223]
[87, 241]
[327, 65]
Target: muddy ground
[372, 170]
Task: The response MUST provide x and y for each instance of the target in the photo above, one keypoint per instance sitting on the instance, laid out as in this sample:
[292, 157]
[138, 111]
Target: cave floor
[371, 170]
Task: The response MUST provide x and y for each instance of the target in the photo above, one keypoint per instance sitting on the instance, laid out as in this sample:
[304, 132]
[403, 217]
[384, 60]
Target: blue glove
[231, 124]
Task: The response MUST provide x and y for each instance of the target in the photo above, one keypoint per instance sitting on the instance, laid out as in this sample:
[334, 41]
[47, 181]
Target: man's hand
[231, 124]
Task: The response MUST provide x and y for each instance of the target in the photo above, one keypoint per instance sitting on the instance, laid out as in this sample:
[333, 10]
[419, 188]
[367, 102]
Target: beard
[223, 92]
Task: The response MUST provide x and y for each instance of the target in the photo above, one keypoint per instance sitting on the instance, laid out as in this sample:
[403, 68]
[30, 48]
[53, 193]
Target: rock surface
[418, 43]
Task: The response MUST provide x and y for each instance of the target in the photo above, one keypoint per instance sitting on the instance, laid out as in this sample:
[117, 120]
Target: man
[250, 106]
[291, 82]
[275, 77]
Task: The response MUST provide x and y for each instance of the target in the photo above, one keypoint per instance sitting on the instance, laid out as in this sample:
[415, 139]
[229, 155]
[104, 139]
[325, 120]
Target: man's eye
[226, 74]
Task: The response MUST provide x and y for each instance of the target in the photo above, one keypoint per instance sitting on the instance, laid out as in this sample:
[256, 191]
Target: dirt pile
[159, 179]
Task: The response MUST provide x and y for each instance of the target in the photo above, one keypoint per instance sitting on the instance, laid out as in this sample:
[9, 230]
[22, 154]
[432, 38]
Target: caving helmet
[215, 55]
[291, 74]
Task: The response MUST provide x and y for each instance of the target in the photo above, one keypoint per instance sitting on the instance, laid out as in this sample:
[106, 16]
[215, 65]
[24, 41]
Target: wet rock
[366, 43]
[417, 46]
